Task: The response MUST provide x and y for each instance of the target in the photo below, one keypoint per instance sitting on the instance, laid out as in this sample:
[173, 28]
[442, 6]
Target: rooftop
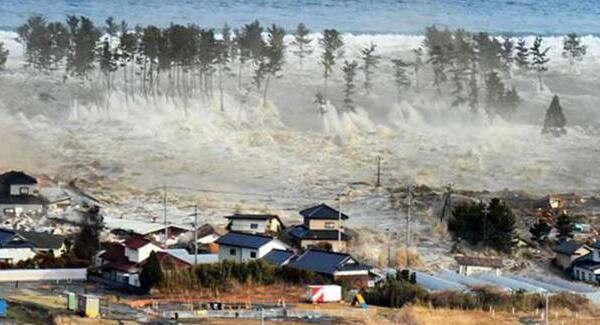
[244, 240]
[42, 239]
[278, 257]
[567, 247]
[17, 177]
[136, 226]
[480, 261]
[137, 242]
[322, 212]
[587, 262]
[325, 262]
[252, 216]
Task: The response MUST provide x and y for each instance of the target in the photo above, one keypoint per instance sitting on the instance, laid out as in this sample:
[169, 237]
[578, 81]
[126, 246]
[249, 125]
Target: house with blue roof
[323, 228]
[336, 266]
[587, 267]
[568, 251]
[243, 247]
[18, 245]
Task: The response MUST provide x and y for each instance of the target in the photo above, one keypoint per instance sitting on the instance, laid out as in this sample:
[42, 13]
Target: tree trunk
[221, 88]
[266, 88]
[240, 75]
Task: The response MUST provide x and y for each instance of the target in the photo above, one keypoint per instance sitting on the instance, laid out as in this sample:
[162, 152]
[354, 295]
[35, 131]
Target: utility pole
[378, 184]
[339, 197]
[195, 234]
[408, 216]
[546, 313]
[389, 248]
[165, 216]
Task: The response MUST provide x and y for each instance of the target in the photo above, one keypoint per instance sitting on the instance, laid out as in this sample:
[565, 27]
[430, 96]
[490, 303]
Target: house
[323, 227]
[568, 251]
[18, 245]
[336, 266]
[19, 194]
[123, 263]
[468, 265]
[564, 200]
[242, 247]
[267, 224]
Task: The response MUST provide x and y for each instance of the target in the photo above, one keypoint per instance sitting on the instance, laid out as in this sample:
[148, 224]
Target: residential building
[323, 228]
[336, 266]
[19, 194]
[568, 251]
[18, 245]
[154, 231]
[468, 265]
[242, 247]
[587, 267]
[279, 257]
[123, 263]
[267, 224]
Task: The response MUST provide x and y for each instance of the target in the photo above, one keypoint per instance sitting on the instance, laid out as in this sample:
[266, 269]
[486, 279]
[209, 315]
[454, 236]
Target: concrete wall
[243, 254]
[140, 254]
[42, 275]
[246, 226]
[15, 255]
[472, 269]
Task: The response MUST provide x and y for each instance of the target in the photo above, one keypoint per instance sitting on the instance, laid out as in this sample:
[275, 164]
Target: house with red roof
[122, 263]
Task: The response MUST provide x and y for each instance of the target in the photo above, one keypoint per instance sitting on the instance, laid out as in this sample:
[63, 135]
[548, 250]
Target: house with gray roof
[17, 245]
[267, 224]
[568, 251]
[242, 247]
[19, 194]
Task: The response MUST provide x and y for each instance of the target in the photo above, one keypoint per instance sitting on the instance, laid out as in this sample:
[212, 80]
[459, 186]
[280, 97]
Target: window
[330, 225]
[232, 251]
[23, 190]
[252, 254]
[253, 226]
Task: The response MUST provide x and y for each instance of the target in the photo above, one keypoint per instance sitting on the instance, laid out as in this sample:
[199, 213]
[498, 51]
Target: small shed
[88, 306]
[323, 293]
[468, 265]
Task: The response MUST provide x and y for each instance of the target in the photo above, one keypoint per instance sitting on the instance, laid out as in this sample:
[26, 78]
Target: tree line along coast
[178, 62]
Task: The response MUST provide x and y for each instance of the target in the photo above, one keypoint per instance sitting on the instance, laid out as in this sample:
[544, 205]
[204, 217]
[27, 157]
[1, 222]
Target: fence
[42, 275]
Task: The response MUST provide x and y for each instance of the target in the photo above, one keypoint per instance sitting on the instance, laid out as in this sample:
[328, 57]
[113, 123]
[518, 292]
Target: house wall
[246, 226]
[141, 254]
[15, 255]
[586, 275]
[243, 254]
[354, 281]
[15, 189]
[21, 209]
[324, 224]
[565, 261]
[335, 245]
[472, 269]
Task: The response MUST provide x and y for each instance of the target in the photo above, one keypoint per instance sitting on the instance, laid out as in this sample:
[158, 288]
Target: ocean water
[548, 17]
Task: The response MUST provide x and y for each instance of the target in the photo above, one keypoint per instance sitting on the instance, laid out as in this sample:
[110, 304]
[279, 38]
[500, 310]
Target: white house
[255, 223]
[241, 247]
[138, 249]
[17, 245]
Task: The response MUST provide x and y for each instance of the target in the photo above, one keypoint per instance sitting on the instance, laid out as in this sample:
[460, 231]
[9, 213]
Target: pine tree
[564, 226]
[3, 56]
[401, 79]
[417, 64]
[35, 35]
[522, 55]
[494, 91]
[331, 42]
[489, 51]
[349, 70]
[509, 102]
[302, 42]
[540, 231]
[539, 59]
[152, 274]
[473, 94]
[499, 226]
[555, 121]
[438, 44]
[506, 56]
[274, 53]
[112, 28]
[370, 62]
[573, 49]
[222, 58]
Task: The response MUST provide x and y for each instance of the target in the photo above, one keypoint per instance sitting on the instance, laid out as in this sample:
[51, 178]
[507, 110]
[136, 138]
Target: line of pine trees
[183, 61]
